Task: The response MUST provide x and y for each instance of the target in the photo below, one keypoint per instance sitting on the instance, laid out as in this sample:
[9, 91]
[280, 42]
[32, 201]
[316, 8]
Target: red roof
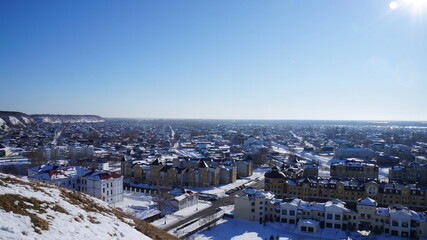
[107, 175]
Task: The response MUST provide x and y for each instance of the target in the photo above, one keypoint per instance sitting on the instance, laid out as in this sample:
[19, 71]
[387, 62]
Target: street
[225, 201]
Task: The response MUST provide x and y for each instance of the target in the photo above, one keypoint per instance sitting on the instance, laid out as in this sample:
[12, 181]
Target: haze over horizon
[279, 60]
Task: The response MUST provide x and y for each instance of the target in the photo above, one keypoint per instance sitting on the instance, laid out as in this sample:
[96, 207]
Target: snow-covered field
[239, 229]
[138, 205]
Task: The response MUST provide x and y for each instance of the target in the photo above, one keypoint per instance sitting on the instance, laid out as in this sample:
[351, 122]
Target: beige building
[317, 189]
[413, 173]
[354, 169]
[395, 220]
[251, 204]
[188, 172]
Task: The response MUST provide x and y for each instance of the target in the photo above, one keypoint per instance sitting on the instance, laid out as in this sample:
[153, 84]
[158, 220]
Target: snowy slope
[30, 210]
[14, 119]
[2, 122]
[45, 118]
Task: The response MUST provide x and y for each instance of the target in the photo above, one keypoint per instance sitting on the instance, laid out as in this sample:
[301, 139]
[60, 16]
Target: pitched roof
[367, 202]
[202, 164]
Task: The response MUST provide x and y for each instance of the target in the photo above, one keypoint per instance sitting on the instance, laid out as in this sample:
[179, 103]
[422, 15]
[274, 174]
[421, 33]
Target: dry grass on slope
[89, 205]
[30, 207]
[27, 206]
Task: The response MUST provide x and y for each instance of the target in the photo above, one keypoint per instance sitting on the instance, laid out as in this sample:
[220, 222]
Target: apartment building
[362, 153]
[104, 185]
[353, 168]
[413, 173]
[348, 190]
[395, 220]
[196, 173]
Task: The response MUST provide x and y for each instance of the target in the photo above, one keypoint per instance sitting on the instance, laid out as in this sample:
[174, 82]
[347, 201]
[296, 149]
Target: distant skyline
[313, 60]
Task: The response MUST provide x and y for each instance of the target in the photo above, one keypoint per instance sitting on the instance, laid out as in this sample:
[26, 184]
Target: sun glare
[414, 5]
[393, 5]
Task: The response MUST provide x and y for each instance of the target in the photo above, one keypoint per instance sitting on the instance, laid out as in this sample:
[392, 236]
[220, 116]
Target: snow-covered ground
[138, 205]
[229, 209]
[220, 190]
[174, 217]
[239, 229]
[64, 218]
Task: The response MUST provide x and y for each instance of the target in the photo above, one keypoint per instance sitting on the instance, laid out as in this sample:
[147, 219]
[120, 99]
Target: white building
[5, 151]
[104, 185]
[395, 220]
[182, 198]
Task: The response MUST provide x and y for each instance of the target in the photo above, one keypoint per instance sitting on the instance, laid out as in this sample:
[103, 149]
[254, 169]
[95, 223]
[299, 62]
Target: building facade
[395, 220]
[354, 169]
[183, 173]
[413, 173]
[104, 185]
[350, 190]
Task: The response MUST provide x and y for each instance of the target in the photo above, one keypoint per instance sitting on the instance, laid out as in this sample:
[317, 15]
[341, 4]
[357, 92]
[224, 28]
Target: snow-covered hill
[14, 119]
[47, 118]
[19, 120]
[31, 210]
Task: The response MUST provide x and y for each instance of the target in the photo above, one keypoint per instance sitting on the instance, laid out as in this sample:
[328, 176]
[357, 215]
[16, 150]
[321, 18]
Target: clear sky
[226, 59]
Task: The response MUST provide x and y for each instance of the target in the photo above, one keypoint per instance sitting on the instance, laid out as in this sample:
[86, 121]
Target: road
[225, 201]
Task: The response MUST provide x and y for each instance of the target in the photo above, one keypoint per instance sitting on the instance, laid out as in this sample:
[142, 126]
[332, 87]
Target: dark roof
[202, 164]
[274, 173]
[156, 162]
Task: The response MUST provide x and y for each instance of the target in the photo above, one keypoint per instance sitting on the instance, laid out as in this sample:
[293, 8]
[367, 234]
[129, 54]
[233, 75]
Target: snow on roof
[367, 202]
[293, 202]
[51, 172]
[382, 211]
[102, 175]
[336, 203]
[308, 221]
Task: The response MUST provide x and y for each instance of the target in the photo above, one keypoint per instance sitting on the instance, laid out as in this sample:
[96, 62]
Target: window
[337, 217]
[103, 190]
[329, 216]
[303, 228]
[252, 210]
[404, 224]
[394, 223]
[292, 212]
[284, 212]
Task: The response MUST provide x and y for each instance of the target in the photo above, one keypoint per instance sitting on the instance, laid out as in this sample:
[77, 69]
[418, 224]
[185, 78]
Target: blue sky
[350, 60]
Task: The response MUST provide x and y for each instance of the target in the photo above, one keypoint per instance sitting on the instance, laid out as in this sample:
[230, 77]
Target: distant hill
[51, 118]
[14, 119]
[10, 119]
[32, 210]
